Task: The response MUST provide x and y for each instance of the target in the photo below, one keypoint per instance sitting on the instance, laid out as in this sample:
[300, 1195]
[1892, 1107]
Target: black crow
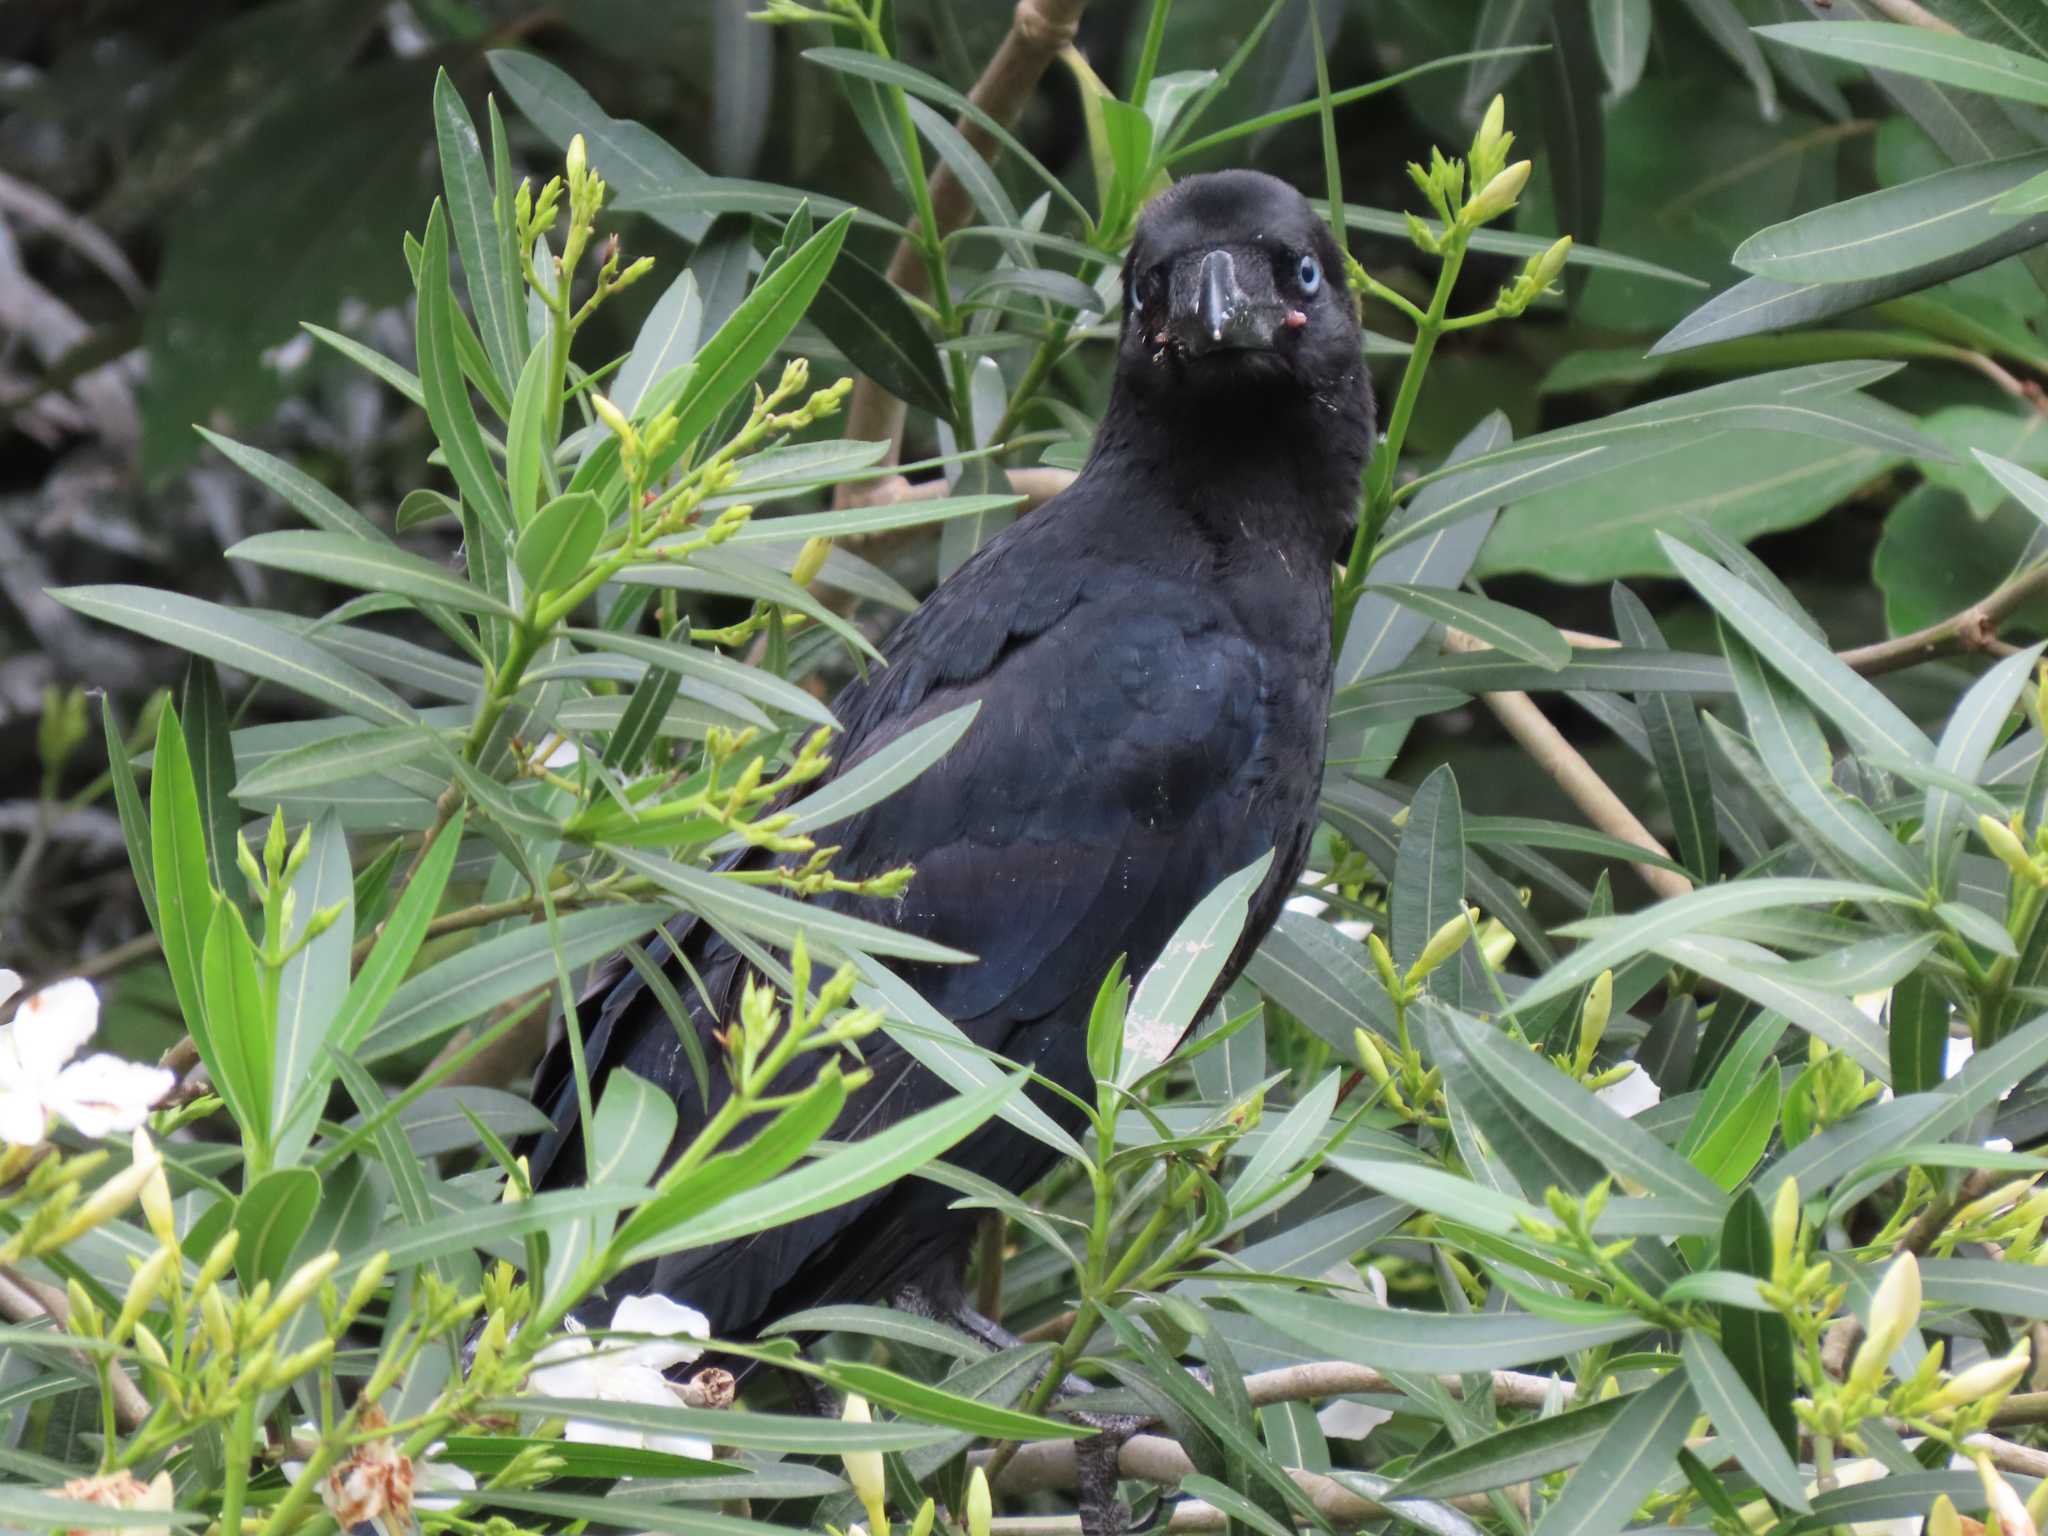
[1151, 653]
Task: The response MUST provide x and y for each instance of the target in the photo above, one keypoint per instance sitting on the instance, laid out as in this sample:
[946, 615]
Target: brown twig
[23, 1300]
[1573, 774]
[1911, 13]
[1039, 29]
[1975, 628]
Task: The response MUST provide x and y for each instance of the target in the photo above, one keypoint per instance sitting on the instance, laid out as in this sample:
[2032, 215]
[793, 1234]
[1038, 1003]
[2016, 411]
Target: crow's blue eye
[1310, 275]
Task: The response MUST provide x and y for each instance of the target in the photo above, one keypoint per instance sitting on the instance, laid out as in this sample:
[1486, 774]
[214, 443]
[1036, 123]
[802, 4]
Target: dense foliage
[1494, 1196]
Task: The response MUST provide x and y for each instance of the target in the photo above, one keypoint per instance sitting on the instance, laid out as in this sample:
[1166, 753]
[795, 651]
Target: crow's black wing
[1121, 764]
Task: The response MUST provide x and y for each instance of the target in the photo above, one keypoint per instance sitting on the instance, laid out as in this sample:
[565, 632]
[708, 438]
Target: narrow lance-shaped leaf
[1172, 992]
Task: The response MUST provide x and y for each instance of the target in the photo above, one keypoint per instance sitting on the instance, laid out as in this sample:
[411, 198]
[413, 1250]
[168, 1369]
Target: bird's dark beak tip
[1219, 315]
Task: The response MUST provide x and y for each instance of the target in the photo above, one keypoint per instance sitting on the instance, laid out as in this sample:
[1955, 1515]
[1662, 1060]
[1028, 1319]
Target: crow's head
[1232, 284]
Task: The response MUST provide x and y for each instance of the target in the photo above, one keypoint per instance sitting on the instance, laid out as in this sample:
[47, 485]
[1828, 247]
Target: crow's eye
[1309, 275]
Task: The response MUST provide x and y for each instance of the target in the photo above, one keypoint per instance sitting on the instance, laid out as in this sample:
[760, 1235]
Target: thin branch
[1911, 13]
[1975, 628]
[1050, 1464]
[23, 1300]
[1573, 774]
[1039, 29]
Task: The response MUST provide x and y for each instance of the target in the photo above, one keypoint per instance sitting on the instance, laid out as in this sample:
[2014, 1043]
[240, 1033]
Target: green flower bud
[2007, 848]
[980, 1509]
[864, 1470]
[1984, 1383]
[1893, 1314]
[1442, 945]
[1497, 196]
[142, 1290]
[1785, 1227]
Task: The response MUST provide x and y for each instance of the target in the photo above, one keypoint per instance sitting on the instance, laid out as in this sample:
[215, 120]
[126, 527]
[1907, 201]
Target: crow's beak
[1211, 312]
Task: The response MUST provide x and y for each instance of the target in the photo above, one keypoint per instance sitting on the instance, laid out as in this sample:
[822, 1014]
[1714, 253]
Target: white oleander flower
[98, 1096]
[624, 1372]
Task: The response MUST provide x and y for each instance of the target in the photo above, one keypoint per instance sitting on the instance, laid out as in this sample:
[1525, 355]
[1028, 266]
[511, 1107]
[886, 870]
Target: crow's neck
[1275, 465]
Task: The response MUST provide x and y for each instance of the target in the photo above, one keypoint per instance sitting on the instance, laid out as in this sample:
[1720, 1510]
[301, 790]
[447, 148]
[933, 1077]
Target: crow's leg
[1096, 1458]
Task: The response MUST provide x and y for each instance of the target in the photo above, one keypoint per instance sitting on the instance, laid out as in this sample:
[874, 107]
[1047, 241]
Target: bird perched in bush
[1151, 654]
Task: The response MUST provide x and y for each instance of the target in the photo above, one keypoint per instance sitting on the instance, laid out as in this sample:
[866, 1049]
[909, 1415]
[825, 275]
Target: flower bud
[1544, 270]
[927, 1513]
[151, 1348]
[1893, 1313]
[156, 1209]
[218, 1258]
[1444, 943]
[1985, 1205]
[213, 1316]
[1986, 1382]
[2006, 1508]
[1486, 143]
[1785, 1226]
[1495, 943]
[809, 561]
[1383, 962]
[142, 1291]
[1942, 1519]
[1424, 238]
[1369, 1057]
[1497, 196]
[980, 1509]
[578, 163]
[117, 1194]
[2007, 848]
[298, 1289]
[864, 1468]
[615, 419]
[1593, 1017]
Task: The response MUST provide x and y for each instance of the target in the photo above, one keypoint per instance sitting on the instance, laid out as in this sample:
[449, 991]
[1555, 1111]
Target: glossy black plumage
[1151, 651]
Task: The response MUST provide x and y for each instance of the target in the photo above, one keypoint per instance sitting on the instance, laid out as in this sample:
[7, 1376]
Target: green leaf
[701, 664]
[881, 1323]
[1758, 1344]
[526, 431]
[630, 1134]
[29, 1509]
[272, 1215]
[1172, 992]
[1678, 747]
[204, 714]
[855, 521]
[351, 562]
[238, 1023]
[1741, 1421]
[745, 1431]
[640, 727]
[852, 1171]
[792, 1133]
[1987, 1285]
[1691, 913]
[1429, 877]
[496, 291]
[943, 1049]
[1918, 1034]
[1503, 627]
[742, 346]
[1395, 1338]
[1734, 1142]
[636, 162]
[445, 391]
[728, 904]
[239, 640]
[384, 969]
[1866, 716]
[2026, 487]
[185, 894]
[313, 501]
[1320, 977]
[554, 549]
[313, 982]
[403, 380]
[1949, 58]
[1632, 1458]
[931, 1405]
[1893, 229]
[864, 315]
[881, 773]
[330, 759]
[667, 341]
[1516, 1454]
[499, 970]
[135, 830]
